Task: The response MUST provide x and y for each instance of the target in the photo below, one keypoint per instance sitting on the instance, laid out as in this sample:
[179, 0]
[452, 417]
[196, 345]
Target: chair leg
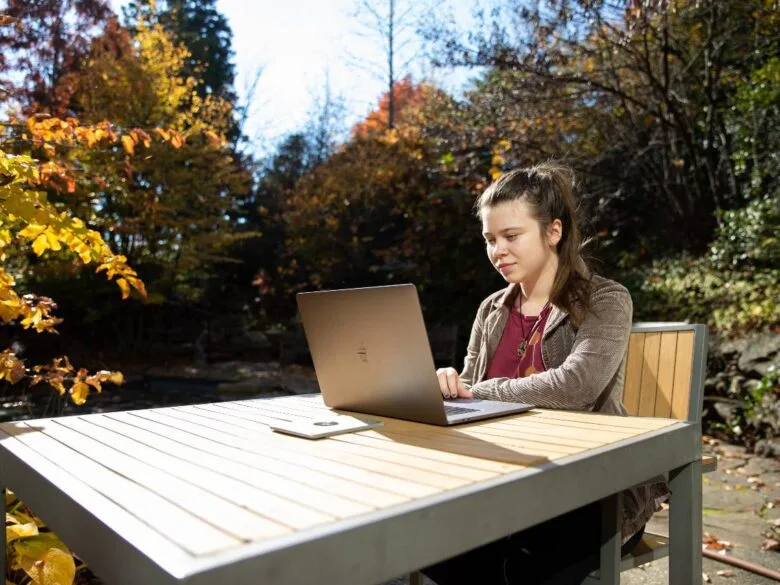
[416, 578]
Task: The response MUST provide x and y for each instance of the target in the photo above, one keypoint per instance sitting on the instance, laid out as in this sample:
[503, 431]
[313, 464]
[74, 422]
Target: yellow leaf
[40, 244]
[117, 378]
[124, 286]
[128, 143]
[79, 392]
[20, 531]
[45, 559]
[54, 243]
[32, 231]
[95, 383]
[56, 383]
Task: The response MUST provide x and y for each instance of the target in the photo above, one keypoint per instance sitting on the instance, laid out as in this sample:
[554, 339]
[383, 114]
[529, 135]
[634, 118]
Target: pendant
[521, 347]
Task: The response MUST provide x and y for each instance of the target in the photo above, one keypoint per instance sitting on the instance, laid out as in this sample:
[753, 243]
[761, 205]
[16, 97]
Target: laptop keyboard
[453, 410]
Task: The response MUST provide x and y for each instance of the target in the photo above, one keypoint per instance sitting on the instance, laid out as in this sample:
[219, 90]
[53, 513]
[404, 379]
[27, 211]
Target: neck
[537, 291]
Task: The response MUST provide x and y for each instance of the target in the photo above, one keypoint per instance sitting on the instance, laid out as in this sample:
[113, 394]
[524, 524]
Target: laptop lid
[371, 352]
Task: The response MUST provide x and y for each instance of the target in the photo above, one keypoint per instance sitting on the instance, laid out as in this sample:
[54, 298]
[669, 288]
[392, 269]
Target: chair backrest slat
[665, 370]
[633, 376]
[667, 360]
[682, 375]
[649, 387]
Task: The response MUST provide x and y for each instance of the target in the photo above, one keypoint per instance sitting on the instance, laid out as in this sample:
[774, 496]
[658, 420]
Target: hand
[450, 384]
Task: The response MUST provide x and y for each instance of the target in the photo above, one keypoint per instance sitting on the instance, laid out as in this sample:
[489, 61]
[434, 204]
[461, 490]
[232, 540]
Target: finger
[442, 377]
[452, 382]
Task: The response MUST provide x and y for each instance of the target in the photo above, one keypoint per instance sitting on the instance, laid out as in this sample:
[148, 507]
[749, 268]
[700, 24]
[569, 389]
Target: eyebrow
[503, 231]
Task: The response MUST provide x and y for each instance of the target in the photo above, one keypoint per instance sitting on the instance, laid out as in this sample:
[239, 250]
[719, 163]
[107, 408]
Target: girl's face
[516, 245]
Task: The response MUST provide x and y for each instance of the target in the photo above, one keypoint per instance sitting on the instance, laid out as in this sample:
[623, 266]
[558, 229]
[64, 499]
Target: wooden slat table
[209, 494]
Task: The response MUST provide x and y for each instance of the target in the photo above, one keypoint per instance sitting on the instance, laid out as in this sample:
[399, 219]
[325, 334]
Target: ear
[554, 232]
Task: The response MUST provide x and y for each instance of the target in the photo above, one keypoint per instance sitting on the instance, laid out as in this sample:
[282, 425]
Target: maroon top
[506, 362]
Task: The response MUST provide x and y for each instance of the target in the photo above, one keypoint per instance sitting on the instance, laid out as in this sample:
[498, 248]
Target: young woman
[555, 337]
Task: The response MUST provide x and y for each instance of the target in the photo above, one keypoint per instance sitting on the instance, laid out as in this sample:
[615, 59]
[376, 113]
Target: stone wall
[742, 391]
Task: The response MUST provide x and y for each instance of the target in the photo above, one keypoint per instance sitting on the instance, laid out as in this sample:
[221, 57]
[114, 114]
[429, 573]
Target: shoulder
[608, 295]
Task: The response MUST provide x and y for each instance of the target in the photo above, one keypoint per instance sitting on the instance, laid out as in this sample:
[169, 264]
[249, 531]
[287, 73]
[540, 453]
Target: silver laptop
[371, 355]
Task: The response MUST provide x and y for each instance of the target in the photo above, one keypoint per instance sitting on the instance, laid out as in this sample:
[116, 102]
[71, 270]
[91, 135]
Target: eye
[490, 242]
[512, 237]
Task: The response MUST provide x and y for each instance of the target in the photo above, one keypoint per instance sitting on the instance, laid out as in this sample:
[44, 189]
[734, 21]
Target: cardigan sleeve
[598, 351]
[468, 373]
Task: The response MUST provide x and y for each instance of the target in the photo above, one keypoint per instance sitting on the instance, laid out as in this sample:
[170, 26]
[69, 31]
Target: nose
[499, 251]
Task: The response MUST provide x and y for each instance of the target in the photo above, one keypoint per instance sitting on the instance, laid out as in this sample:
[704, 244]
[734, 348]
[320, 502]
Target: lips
[505, 267]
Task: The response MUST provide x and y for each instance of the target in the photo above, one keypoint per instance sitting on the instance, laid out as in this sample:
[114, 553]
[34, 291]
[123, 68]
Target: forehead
[506, 215]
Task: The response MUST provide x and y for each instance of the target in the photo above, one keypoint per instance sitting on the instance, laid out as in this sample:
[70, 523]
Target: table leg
[611, 540]
[685, 524]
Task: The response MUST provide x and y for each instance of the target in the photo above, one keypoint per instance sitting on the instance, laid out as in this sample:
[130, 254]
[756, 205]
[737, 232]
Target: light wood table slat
[189, 532]
[284, 514]
[502, 447]
[330, 450]
[397, 443]
[285, 497]
[188, 495]
[263, 458]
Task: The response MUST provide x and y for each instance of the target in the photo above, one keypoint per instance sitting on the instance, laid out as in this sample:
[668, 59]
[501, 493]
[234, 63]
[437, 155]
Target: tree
[40, 43]
[172, 208]
[203, 30]
[390, 23]
[655, 82]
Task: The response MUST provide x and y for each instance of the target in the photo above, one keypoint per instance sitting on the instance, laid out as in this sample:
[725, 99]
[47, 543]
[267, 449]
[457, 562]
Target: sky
[302, 46]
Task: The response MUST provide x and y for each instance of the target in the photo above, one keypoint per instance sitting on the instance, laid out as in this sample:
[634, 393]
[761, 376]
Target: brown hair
[548, 188]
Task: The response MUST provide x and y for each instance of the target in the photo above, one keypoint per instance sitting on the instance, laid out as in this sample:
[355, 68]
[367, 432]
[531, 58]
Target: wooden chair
[664, 377]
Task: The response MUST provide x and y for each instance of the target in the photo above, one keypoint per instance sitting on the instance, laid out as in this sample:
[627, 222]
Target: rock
[738, 528]
[732, 348]
[719, 501]
[754, 466]
[767, 448]
[731, 463]
[732, 451]
[726, 410]
[257, 340]
[761, 351]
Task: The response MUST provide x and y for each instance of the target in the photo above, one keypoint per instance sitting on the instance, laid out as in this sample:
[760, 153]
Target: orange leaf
[162, 133]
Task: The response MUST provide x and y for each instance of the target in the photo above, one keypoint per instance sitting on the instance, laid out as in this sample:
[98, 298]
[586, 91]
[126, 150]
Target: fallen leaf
[706, 578]
[711, 542]
[770, 544]
[755, 480]
[725, 573]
